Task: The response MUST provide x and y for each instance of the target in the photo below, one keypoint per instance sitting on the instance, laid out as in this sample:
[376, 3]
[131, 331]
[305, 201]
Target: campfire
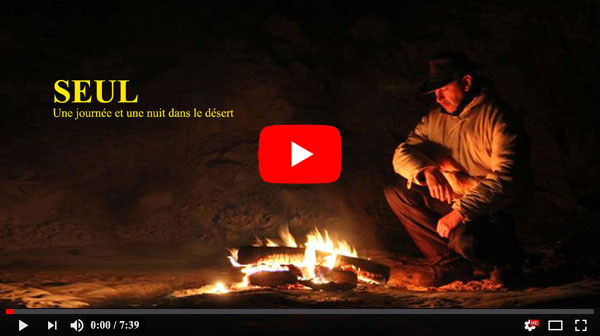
[320, 263]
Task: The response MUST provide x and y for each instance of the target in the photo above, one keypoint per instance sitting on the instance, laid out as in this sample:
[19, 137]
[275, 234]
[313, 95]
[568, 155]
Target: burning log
[364, 268]
[295, 270]
[337, 275]
[330, 286]
[273, 279]
[255, 254]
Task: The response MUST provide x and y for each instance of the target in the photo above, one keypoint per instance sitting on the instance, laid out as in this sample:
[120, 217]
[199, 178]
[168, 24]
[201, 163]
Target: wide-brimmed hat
[445, 68]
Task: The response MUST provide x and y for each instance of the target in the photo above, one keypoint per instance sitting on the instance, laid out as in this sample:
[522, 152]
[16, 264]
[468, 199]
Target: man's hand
[448, 223]
[439, 187]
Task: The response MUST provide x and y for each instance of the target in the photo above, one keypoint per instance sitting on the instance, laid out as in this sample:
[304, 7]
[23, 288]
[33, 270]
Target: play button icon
[22, 325]
[300, 154]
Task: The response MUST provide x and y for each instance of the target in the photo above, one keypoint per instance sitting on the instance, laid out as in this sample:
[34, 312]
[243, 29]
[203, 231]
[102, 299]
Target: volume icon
[77, 325]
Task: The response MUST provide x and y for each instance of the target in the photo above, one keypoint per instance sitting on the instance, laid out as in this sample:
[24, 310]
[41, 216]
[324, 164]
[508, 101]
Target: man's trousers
[489, 239]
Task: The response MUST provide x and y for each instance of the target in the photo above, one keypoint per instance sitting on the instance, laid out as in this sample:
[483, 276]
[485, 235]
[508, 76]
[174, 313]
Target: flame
[218, 288]
[286, 236]
[319, 249]
[271, 243]
[318, 242]
[287, 239]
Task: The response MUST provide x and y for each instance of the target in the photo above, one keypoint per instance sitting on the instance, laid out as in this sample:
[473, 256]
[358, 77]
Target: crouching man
[460, 168]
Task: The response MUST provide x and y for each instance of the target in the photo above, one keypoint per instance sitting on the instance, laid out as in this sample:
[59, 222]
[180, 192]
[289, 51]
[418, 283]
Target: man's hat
[445, 68]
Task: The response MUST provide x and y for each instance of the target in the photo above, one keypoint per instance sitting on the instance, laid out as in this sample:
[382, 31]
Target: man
[460, 167]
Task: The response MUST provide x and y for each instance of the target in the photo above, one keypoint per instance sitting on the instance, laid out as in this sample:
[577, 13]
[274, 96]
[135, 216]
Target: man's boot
[447, 271]
[510, 275]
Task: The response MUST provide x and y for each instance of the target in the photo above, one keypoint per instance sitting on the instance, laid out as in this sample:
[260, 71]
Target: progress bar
[418, 311]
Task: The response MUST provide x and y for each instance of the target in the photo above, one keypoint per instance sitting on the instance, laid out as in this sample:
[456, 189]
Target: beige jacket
[476, 150]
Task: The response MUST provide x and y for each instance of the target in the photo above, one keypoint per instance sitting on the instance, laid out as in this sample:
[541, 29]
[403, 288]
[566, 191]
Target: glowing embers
[218, 288]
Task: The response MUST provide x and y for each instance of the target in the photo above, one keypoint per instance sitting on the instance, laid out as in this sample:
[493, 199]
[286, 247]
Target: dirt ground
[149, 275]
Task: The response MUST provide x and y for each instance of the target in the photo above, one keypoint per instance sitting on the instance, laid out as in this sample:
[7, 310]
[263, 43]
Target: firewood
[372, 270]
[273, 279]
[255, 254]
[330, 286]
[295, 270]
[339, 276]
[295, 255]
[336, 275]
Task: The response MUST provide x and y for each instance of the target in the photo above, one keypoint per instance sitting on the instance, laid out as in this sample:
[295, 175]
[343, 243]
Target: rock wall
[355, 66]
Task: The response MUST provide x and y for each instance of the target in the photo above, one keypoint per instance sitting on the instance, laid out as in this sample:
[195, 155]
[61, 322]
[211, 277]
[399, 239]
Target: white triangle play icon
[299, 154]
[22, 325]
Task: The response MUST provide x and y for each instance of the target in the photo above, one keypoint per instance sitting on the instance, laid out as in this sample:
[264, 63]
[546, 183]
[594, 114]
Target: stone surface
[85, 182]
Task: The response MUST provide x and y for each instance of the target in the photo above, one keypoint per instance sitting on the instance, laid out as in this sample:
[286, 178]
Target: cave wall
[356, 67]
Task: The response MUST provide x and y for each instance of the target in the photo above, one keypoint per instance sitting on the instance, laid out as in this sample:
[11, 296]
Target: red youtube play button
[300, 154]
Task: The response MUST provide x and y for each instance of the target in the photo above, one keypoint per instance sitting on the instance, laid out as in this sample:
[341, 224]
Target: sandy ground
[149, 275]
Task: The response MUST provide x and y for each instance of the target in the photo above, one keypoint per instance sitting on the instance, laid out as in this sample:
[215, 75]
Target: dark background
[355, 65]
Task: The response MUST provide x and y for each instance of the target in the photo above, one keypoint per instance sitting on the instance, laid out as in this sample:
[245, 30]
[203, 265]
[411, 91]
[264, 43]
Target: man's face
[450, 95]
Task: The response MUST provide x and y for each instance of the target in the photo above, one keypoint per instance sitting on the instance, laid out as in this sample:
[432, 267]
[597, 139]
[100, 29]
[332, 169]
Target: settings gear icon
[529, 326]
